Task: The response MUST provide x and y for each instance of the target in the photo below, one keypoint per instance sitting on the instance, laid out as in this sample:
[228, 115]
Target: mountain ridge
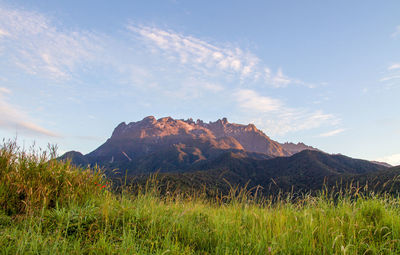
[188, 140]
[247, 137]
[303, 172]
[215, 151]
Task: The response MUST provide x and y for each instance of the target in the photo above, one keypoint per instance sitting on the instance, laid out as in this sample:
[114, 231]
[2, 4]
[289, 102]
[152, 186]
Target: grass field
[52, 207]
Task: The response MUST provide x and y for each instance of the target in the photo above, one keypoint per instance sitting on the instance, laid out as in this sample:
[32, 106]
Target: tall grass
[33, 180]
[83, 218]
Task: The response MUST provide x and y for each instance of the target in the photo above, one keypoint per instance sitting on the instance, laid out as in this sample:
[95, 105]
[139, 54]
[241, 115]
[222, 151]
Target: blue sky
[323, 73]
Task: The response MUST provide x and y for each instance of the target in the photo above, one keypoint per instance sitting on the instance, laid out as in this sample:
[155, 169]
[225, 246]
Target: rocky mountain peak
[149, 120]
[221, 133]
[246, 137]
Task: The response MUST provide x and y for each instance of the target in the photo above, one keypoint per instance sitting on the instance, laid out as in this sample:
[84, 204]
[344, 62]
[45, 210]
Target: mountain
[222, 134]
[213, 153]
[168, 145]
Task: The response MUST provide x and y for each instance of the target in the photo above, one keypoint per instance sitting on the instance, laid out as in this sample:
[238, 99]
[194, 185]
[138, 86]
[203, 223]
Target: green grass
[52, 207]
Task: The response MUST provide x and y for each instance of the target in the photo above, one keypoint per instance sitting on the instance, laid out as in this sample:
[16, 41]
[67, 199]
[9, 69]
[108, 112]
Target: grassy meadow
[53, 207]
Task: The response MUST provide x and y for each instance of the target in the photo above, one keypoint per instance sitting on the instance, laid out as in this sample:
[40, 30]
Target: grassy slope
[83, 217]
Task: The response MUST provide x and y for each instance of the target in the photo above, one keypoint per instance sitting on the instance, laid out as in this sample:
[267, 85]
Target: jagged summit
[216, 151]
[246, 137]
[168, 144]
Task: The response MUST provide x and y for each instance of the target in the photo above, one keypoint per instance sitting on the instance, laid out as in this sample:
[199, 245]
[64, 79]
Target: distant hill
[305, 171]
[76, 157]
[382, 163]
[294, 148]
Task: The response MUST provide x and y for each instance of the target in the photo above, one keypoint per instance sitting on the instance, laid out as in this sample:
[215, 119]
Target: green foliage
[35, 180]
[372, 211]
[85, 219]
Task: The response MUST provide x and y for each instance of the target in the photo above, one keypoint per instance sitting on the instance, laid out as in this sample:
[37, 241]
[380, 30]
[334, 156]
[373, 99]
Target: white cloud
[37, 46]
[394, 159]
[396, 32]
[388, 78]
[189, 49]
[203, 55]
[280, 80]
[4, 91]
[392, 75]
[394, 66]
[12, 118]
[332, 133]
[3, 33]
[276, 118]
[250, 100]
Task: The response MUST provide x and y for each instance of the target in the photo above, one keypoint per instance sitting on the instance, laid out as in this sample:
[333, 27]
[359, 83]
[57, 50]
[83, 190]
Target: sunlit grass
[52, 207]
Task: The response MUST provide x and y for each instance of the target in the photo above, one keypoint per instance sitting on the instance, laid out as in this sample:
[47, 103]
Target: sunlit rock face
[166, 144]
[221, 134]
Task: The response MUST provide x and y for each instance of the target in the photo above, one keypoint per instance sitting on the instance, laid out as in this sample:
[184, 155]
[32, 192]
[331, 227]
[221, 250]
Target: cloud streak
[332, 133]
[188, 49]
[39, 47]
[276, 117]
[392, 75]
[396, 32]
[12, 118]
[252, 101]
[394, 66]
[209, 57]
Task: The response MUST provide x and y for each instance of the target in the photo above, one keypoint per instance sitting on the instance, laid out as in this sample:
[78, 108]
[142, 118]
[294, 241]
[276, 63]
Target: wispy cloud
[209, 57]
[394, 159]
[3, 33]
[14, 119]
[396, 32]
[39, 47]
[4, 91]
[389, 78]
[277, 118]
[332, 133]
[391, 75]
[37, 44]
[188, 49]
[252, 101]
[192, 88]
[394, 66]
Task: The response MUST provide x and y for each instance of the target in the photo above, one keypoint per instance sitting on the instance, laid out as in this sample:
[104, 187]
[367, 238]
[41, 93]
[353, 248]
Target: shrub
[33, 181]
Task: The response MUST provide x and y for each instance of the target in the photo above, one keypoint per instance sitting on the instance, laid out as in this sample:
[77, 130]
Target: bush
[33, 181]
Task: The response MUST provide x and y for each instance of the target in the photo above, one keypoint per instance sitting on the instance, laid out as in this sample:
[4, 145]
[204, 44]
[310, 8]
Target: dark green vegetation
[306, 171]
[52, 207]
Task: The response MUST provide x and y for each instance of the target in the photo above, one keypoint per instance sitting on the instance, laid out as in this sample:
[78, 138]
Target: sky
[326, 73]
